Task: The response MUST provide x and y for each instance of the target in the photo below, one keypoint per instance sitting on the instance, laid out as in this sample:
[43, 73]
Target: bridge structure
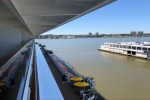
[20, 22]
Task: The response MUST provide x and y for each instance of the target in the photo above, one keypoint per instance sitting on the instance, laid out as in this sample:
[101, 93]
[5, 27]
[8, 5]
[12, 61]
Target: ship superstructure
[137, 49]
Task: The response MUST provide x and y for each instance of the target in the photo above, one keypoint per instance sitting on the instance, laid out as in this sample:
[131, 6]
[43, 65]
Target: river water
[117, 76]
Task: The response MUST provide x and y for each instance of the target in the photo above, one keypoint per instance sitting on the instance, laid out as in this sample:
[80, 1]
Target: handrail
[25, 53]
[27, 91]
[48, 88]
[6, 65]
[23, 91]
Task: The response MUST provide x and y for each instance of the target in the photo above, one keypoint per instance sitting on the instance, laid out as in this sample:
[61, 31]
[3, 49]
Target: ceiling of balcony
[39, 16]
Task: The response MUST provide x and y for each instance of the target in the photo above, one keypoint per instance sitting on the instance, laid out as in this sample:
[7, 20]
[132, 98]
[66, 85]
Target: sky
[121, 16]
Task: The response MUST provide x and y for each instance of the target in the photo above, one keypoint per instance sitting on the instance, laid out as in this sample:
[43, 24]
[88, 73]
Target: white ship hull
[136, 49]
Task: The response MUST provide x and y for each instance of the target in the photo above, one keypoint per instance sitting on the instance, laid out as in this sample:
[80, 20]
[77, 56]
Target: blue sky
[121, 16]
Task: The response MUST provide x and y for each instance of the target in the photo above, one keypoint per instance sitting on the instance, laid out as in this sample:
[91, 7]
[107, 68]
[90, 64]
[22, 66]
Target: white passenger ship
[137, 49]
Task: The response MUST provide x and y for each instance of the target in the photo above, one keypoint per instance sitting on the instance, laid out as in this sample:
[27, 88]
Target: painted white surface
[48, 88]
[27, 91]
[139, 53]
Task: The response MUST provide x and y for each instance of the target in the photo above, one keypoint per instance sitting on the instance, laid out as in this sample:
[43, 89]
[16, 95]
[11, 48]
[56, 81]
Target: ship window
[117, 46]
[148, 49]
[129, 47]
[144, 49]
[121, 46]
[133, 53]
[134, 48]
[124, 46]
[113, 45]
[138, 48]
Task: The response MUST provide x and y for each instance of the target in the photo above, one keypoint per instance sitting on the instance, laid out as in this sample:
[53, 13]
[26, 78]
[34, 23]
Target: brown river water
[117, 77]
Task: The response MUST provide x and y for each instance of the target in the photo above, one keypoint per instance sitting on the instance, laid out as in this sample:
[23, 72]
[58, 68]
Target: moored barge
[82, 85]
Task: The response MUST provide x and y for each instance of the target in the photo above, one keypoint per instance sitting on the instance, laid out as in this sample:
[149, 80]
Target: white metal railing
[48, 88]
[27, 90]
[23, 91]
[13, 58]
[89, 94]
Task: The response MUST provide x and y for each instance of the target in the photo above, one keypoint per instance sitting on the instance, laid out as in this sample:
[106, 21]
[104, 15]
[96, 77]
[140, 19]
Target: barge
[136, 49]
[82, 85]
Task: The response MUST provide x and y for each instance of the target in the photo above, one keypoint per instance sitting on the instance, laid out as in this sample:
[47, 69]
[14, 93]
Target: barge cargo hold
[136, 49]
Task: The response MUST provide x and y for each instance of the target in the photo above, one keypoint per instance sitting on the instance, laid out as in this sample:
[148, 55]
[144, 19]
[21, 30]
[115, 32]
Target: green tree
[96, 33]
[90, 34]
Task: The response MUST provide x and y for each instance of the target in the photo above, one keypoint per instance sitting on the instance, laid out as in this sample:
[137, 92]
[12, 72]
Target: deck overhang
[22, 20]
[39, 16]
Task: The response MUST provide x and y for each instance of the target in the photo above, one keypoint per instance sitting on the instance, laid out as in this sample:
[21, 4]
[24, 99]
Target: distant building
[50, 36]
[140, 32]
[133, 33]
[40, 36]
[70, 37]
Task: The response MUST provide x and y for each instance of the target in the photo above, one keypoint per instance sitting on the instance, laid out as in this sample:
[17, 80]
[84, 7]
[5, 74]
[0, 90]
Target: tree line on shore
[89, 35]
